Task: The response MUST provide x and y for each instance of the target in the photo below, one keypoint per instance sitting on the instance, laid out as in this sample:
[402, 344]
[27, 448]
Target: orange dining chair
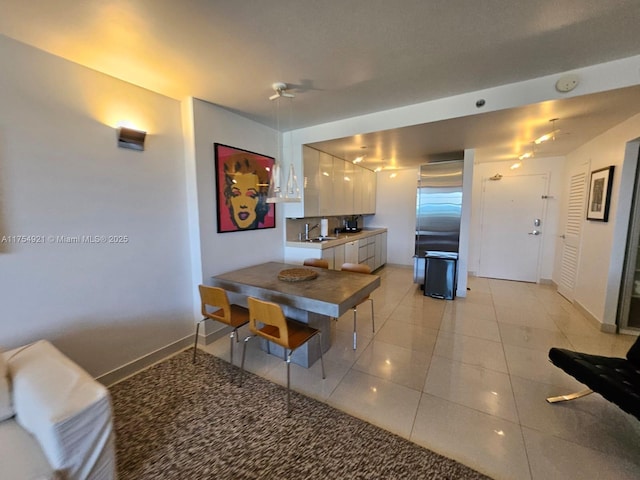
[215, 306]
[359, 268]
[266, 320]
[316, 262]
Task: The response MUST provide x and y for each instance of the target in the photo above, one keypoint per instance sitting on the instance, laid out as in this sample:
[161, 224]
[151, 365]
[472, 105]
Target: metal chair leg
[231, 344]
[288, 381]
[244, 353]
[195, 343]
[355, 313]
[373, 323]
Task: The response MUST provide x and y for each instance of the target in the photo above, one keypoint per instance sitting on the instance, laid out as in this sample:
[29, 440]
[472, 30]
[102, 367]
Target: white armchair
[55, 419]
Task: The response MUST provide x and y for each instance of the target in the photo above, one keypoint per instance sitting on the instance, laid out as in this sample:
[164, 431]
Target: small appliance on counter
[351, 224]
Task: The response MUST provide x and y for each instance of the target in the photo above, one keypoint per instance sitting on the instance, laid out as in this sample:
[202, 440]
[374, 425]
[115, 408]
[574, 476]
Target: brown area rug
[177, 420]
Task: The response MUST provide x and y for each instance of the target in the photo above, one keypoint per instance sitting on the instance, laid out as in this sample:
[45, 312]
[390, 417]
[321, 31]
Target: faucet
[307, 230]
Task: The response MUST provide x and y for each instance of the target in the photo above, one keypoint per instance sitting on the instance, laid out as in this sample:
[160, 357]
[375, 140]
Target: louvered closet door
[575, 216]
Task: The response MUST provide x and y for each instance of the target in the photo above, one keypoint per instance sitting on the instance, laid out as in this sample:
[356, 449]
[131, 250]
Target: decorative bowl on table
[297, 274]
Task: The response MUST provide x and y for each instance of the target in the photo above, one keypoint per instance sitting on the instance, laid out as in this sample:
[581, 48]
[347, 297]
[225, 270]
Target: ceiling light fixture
[548, 136]
[543, 138]
[359, 159]
[291, 190]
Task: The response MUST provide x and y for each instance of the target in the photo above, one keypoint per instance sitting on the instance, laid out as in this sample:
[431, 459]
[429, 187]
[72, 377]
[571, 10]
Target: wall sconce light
[130, 138]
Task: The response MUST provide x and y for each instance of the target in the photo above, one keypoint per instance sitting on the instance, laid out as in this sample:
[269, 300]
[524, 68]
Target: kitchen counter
[340, 239]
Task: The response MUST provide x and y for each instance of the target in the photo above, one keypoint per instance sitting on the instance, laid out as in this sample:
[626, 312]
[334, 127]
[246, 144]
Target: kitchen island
[367, 246]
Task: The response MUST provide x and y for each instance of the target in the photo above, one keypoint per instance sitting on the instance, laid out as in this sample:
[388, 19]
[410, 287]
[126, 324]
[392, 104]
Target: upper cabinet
[326, 191]
[333, 186]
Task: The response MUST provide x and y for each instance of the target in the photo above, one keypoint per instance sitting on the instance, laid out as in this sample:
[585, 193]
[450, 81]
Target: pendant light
[279, 191]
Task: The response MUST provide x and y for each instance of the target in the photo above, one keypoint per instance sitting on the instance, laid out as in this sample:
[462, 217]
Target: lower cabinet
[371, 251]
[338, 256]
[381, 249]
[335, 256]
[351, 252]
[328, 254]
[366, 251]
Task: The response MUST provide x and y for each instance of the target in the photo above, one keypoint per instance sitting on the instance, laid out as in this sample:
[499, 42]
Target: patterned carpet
[182, 421]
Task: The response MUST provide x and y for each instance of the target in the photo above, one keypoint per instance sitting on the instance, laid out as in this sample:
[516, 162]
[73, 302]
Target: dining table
[316, 301]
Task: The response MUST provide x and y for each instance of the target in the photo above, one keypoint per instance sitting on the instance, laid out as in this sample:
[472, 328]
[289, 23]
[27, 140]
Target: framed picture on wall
[242, 183]
[600, 194]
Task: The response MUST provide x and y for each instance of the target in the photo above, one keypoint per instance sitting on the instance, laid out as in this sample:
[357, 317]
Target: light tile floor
[468, 379]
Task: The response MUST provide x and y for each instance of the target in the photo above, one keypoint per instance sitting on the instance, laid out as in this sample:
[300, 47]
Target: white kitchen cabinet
[351, 252]
[328, 255]
[368, 191]
[333, 186]
[383, 259]
[362, 251]
[311, 184]
[348, 182]
[368, 247]
[357, 177]
[339, 187]
[325, 185]
[380, 256]
[366, 251]
[338, 256]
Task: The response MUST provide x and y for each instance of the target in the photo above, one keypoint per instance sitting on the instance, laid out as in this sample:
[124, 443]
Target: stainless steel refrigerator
[438, 210]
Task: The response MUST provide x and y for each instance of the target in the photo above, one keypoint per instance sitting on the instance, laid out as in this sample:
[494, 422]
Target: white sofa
[55, 419]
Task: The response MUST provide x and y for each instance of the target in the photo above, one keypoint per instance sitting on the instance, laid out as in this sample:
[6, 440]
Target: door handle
[535, 232]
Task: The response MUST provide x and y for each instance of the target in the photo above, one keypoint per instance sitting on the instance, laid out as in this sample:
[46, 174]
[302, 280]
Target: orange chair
[316, 262]
[266, 320]
[215, 306]
[359, 268]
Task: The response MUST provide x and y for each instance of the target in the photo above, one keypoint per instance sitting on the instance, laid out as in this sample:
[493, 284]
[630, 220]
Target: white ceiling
[345, 58]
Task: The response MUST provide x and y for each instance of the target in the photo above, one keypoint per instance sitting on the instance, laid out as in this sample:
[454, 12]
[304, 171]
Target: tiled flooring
[468, 379]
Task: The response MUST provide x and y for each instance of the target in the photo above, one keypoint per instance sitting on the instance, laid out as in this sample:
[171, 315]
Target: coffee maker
[351, 224]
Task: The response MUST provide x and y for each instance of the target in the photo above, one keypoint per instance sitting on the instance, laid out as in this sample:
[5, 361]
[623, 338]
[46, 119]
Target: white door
[574, 217]
[512, 227]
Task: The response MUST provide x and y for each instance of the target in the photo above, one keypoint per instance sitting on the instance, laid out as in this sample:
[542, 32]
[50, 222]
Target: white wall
[601, 260]
[62, 174]
[554, 167]
[221, 252]
[396, 210]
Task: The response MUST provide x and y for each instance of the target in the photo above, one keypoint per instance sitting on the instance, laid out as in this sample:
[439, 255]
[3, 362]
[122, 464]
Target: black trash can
[440, 275]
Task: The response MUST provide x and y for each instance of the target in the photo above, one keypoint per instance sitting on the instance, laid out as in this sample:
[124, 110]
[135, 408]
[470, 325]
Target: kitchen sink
[320, 239]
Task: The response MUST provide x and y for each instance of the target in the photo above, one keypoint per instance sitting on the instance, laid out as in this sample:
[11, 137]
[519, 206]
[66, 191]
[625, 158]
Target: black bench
[616, 379]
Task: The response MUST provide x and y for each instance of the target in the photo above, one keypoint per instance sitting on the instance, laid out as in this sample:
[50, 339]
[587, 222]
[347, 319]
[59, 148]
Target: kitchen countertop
[341, 239]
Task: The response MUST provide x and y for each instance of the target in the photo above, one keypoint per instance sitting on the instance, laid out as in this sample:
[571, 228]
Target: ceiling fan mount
[281, 91]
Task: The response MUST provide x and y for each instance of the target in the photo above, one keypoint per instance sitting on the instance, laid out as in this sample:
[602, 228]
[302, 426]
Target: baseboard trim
[603, 327]
[546, 281]
[118, 374]
[397, 265]
[121, 373]
[213, 336]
